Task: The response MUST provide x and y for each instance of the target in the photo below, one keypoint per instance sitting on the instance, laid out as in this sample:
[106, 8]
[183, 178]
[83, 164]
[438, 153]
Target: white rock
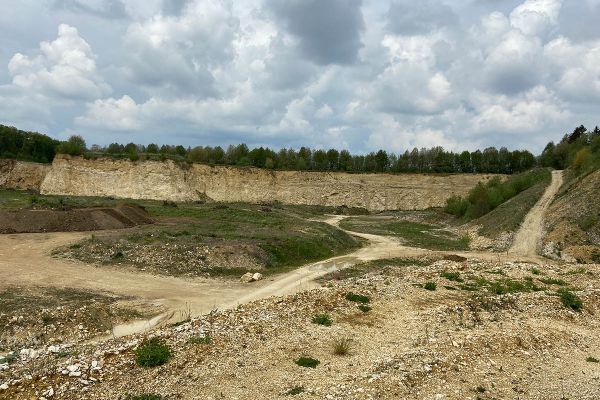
[257, 276]
[4, 386]
[247, 277]
[49, 392]
[73, 368]
[94, 364]
[75, 373]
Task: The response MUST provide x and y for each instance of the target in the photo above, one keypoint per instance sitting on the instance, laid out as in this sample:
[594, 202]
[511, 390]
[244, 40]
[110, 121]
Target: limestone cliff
[21, 174]
[170, 181]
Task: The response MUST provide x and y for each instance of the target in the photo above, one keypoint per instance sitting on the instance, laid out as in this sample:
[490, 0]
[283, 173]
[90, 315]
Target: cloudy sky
[353, 74]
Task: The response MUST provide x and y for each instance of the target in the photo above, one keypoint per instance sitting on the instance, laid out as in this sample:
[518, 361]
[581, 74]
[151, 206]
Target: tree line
[579, 147]
[579, 150]
[435, 159]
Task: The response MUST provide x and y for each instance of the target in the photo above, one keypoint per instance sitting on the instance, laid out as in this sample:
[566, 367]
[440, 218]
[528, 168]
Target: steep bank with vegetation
[22, 175]
[195, 182]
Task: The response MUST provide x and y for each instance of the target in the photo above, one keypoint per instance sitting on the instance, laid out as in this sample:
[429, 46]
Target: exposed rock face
[21, 174]
[170, 181]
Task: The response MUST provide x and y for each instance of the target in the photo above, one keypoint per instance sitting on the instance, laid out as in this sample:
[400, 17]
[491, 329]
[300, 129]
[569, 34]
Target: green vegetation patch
[145, 396]
[485, 197]
[430, 286]
[414, 234]
[295, 391]
[180, 242]
[322, 319]
[307, 362]
[453, 276]
[152, 353]
[570, 299]
[200, 340]
[357, 298]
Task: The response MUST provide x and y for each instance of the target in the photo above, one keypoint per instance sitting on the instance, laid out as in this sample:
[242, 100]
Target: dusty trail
[529, 237]
[25, 260]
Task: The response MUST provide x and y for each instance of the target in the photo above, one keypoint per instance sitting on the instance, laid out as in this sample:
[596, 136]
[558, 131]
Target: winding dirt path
[25, 260]
[529, 237]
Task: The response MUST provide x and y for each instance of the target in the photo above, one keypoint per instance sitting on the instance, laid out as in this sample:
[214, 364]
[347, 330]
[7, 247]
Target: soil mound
[84, 219]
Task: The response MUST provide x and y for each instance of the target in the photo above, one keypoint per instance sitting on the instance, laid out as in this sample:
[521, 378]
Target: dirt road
[25, 260]
[529, 237]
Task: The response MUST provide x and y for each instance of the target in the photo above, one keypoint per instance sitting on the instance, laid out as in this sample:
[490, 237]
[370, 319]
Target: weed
[295, 390]
[341, 347]
[570, 299]
[535, 271]
[480, 389]
[505, 286]
[430, 286]
[452, 276]
[551, 281]
[322, 319]
[357, 298]
[307, 362]
[592, 360]
[47, 319]
[118, 255]
[7, 359]
[206, 339]
[152, 352]
[365, 308]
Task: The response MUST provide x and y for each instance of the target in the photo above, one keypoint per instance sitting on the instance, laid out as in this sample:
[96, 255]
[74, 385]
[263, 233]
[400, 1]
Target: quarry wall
[171, 181]
[21, 174]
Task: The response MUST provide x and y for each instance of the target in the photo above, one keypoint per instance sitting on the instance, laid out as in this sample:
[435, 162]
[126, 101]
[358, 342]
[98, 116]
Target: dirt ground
[450, 325]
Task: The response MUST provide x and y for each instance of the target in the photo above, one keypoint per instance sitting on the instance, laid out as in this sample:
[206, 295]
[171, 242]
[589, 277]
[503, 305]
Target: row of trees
[581, 147]
[435, 159]
[28, 146]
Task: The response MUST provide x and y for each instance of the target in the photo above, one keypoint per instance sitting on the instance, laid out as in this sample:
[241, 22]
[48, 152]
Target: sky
[360, 75]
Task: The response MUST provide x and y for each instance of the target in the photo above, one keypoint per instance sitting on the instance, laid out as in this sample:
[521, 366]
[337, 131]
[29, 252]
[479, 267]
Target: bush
[75, 146]
[592, 360]
[152, 353]
[357, 298]
[430, 286]
[307, 362]
[570, 299]
[322, 319]
[341, 347]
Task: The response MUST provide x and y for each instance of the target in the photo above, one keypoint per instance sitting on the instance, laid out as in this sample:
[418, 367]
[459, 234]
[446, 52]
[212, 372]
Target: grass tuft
[200, 340]
[430, 286]
[295, 390]
[322, 319]
[341, 347]
[452, 276]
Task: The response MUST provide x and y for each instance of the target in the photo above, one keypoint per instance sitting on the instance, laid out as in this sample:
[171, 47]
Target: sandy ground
[529, 237]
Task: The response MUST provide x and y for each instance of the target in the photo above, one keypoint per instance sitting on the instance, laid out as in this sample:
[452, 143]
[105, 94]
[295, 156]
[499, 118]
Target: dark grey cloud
[173, 7]
[329, 31]
[409, 17]
[109, 8]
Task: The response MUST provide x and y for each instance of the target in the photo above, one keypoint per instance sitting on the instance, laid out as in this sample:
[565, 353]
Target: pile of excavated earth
[72, 220]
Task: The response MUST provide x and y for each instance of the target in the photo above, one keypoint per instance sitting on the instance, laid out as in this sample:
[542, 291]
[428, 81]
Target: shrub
[322, 319]
[451, 276]
[535, 271]
[75, 146]
[570, 299]
[152, 353]
[307, 362]
[357, 298]
[430, 286]
[551, 281]
[341, 347]
[592, 360]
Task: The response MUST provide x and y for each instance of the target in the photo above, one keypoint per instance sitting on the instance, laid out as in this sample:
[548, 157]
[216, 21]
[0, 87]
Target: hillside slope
[573, 220]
